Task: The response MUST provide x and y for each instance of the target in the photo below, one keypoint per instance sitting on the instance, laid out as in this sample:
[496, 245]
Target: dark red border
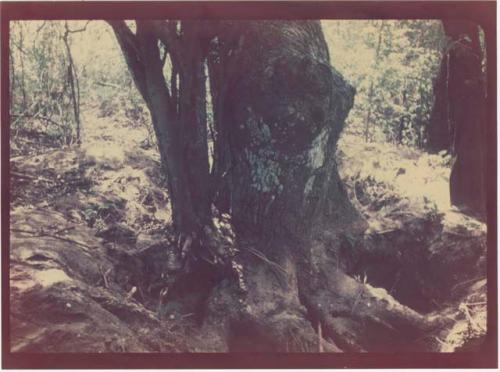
[482, 12]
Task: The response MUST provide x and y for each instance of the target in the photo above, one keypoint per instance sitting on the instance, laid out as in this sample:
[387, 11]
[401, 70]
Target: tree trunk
[276, 278]
[73, 83]
[179, 117]
[284, 108]
[467, 108]
[371, 91]
[219, 73]
[440, 128]
[193, 121]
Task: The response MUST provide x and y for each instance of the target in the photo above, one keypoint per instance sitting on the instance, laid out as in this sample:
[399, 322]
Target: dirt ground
[92, 248]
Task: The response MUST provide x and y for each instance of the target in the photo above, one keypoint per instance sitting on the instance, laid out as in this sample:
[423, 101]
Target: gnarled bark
[284, 108]
[279, 110]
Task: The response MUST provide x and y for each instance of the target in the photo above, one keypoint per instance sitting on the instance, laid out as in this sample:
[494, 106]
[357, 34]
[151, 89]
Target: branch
[105, 84]
[79, 29]
[164, 57]
[130, 48]
[21, 49]
[40, 28]
[173, 86]
[152, 57]
[167, 33]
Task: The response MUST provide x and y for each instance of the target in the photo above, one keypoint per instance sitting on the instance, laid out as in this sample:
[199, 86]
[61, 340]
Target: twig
[141, 292]
[465, 282]
[79, 29]
[186, 246]
[131, 293]
[65, 229]
[40, 28]
[208, 261]
[320, 338]
[358, 296]
[40, 234]
[108, 85]
[161, 297]
[41, 117]
[105, 276]
[464, 236]
[16, 158]
[471, 320]
[24, 114]
[475, 303]
[396, 281]
[28, 177]
[261, 255]
[439, 340]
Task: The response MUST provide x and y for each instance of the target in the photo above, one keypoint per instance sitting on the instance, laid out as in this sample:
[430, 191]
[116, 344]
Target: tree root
[360, 317]
[267, 316]
[299, 312]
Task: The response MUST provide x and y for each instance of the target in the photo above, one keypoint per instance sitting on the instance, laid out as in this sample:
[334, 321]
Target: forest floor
[92, 249]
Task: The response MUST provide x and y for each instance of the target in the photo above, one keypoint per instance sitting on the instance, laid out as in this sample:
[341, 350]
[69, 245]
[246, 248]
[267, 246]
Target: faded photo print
[219, 186]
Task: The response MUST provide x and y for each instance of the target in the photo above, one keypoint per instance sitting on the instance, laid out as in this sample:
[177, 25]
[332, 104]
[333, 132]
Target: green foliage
[41, 101]
[392, 65]
[39, 75]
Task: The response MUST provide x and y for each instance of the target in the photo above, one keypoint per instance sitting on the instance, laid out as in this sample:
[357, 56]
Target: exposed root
[37, 234]
[105, 275]
[320, 338]
[363, 318]
[270, 316]
[186, 246]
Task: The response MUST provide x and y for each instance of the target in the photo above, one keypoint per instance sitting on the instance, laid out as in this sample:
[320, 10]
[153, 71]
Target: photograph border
[481, 12]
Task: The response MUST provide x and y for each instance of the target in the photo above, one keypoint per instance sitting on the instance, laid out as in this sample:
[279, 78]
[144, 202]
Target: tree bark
[73, 82]
[178, 117]
[461, 106]
[220, 69]
[440, 128]
[193, 120]
[284, 108]
[279, 106]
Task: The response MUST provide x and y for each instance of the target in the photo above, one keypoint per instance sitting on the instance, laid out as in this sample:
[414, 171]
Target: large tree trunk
[193, 121]
[270, 276]
[458, 116]
[467, 102]
[284, 108]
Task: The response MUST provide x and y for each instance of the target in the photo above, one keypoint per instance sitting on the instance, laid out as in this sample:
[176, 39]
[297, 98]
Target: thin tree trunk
[403, 120]
[371, 92]
[12, 79]
[179, 120]
[23, 85]
[73, 83]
